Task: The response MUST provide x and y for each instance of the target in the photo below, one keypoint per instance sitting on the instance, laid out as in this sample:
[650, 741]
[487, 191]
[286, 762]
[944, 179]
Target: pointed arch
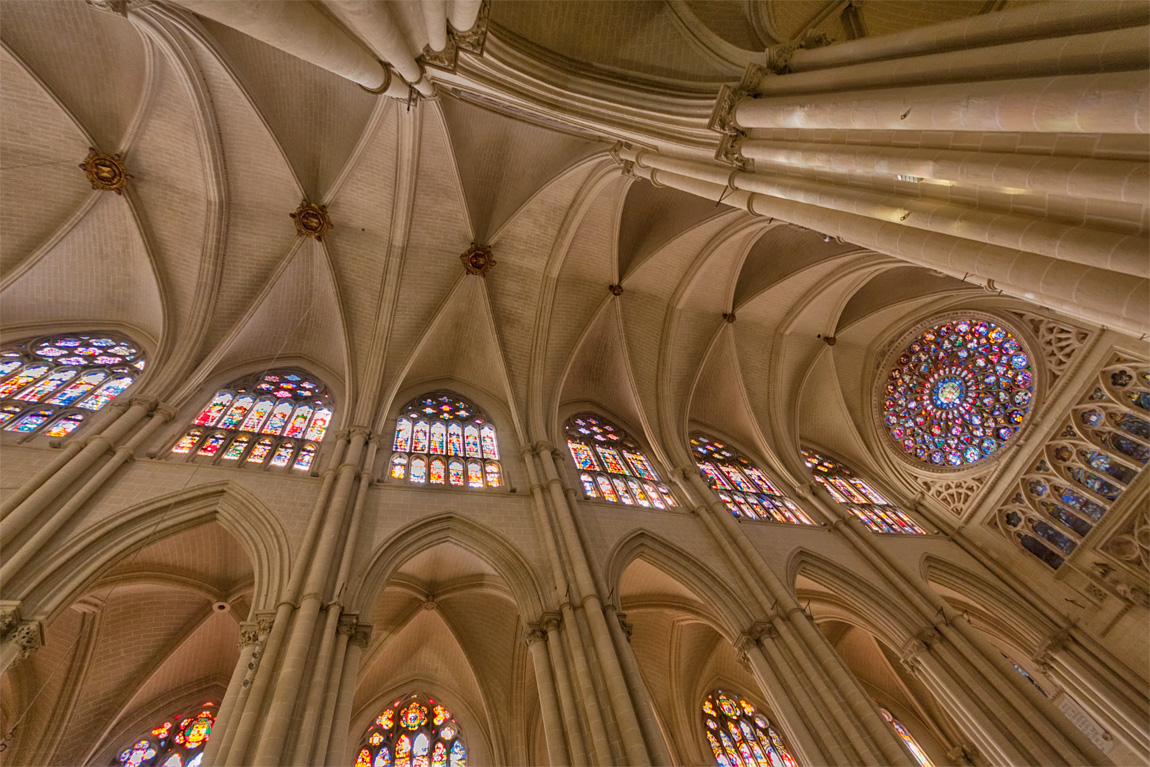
[852, 598]
[1000, 612]
[731, 614]
[484, 543]
[65, 574]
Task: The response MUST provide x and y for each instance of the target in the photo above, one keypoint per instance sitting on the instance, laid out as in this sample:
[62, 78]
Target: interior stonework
[727, 218]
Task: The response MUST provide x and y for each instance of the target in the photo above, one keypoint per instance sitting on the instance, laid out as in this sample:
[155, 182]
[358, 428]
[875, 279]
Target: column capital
[623, 624]
[165, 411]
[28, 636]
[963, 756]
[361, 636]
[9, 616]
[534, 633]
[264, 622]
[249, 634]
[348, 623]
[917, 646]
[151, 403]
[551, 621]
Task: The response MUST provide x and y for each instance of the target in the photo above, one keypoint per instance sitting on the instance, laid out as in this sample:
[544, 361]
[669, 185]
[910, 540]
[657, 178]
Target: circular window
[957, 393]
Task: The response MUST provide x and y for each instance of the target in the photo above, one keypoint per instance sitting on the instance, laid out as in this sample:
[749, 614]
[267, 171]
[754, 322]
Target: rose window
[958, 393]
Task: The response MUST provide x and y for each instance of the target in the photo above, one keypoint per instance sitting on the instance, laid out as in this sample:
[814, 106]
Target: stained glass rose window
[958, 392]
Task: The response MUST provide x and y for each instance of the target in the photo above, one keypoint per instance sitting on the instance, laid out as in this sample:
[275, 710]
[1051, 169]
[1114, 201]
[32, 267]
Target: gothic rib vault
[687, 218]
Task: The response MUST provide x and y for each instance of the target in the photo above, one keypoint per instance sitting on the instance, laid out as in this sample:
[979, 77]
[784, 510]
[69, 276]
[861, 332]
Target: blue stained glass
[1103, 462]
[1051, 535]
[1037, 549]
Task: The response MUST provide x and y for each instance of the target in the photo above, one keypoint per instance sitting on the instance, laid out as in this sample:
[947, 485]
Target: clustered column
[296, 692]
[844, 726]
[1003, 713]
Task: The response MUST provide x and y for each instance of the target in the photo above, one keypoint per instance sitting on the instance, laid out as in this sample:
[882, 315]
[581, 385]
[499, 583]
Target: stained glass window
[609, 463]
[49, 385]
[907, 739]
[958, 393]
[443, 424]
[741, 736]
[1099, 449]
[741, 486]
[177, 742]
[279, 414]
[859, 497]
[415, 731]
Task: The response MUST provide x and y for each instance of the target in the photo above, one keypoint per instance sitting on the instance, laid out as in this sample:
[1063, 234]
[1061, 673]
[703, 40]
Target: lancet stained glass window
[1099, 449]
[741, 736]
[415, 731]
[907, 739]
[741, 485]
[958, 393]
[611, 465]
[855, 493]
[176, 742]
[274, 419]
[50, 385]
[444, 424]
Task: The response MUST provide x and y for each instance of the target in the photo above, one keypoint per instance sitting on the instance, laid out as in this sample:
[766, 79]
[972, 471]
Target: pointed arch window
[416, 731]
[907, 739]
[275, 419]
[859, 496]
[612, 467]
[741, 485]
[741, 736]
[442, 439]
[1085, 467]
[50, 385]
[177, 742]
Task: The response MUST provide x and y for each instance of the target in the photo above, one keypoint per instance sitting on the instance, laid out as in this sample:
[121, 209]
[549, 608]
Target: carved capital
[762, 631]
[264, 623]
[551, 621]
[361, 637]
[962, 756]
[249, 634]
[534, 634]
[9, 617]
[916, 647]
[623, 624]
[28, 636]
[347, 625]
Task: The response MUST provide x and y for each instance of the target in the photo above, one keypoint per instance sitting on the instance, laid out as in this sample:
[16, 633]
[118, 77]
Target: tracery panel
[275, 419]
[612, 467]
[415, 731]
[50, 385]
[740, 736]
[859, 496]
[442, 439]
[743, 487]
[177, 742]
[1098, 451]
